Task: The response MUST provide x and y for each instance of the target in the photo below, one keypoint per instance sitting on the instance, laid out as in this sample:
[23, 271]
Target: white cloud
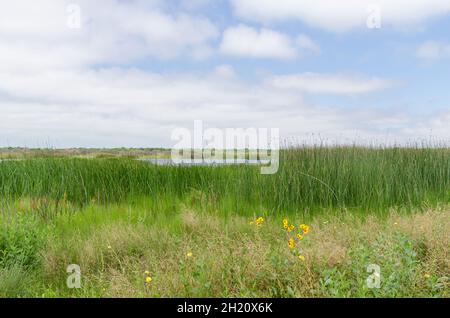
[75, 87]
[342, 15]
[35, 35]
[226, 71]
[433, 50]
[307, 44]
[339, 84]
[245, 41]
[125, 107]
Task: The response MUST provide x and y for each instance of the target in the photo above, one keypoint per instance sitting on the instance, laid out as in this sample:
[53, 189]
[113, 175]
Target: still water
[205, 162]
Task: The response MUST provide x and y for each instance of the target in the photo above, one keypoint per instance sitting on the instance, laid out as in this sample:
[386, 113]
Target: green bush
[396, 258]
[20, 244]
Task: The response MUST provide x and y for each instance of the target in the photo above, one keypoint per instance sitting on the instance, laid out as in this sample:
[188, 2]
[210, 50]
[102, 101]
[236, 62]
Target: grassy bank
[188, 253]
[309, 180]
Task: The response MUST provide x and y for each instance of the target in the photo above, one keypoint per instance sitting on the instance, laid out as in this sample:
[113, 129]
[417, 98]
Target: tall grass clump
[309, 179]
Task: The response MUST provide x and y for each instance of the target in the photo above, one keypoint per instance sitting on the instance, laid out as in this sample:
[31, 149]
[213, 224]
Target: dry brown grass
[232, 258]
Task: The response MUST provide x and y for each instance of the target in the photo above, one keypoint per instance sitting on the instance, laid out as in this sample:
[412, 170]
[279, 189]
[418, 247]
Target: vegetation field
[317, 228]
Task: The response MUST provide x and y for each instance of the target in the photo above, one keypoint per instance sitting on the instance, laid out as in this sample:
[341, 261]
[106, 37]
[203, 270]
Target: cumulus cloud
[342, 15]
[66, 87]
[38, 35]
[226, 71]
[339, 84]
[307, 44]
[433, 50]
[245, 41]
[126, 107]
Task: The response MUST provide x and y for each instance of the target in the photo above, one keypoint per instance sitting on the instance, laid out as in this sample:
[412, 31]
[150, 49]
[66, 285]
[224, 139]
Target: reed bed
[310, 179]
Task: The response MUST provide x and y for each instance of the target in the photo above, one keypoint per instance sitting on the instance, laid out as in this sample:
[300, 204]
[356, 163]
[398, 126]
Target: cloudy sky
[114, 73]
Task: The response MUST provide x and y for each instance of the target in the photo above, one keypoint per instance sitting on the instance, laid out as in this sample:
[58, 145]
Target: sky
[124, 73]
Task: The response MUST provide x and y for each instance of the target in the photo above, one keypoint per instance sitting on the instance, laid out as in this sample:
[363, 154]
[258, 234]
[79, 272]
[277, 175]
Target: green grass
[115, 245]
[310, 180]
[118, 217]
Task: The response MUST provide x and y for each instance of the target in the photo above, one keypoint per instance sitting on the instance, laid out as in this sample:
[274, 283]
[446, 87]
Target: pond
[206, 162]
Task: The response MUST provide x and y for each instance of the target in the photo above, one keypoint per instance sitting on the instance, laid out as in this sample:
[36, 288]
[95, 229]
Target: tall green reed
[309, 179]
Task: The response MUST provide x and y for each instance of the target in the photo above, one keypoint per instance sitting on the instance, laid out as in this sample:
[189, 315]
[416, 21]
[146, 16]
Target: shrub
[20, 244]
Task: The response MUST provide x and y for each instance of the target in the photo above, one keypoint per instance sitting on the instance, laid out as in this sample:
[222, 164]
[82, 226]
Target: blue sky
[127, 73]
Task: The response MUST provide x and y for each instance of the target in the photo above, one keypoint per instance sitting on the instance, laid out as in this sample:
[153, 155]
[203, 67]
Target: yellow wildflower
[259, 221]
[148, 280]
[291, 228]
[300, 237]
[291, 243]
[189, 254]
[305, 228]
[147, 273]
[285, 223]
[302, 258]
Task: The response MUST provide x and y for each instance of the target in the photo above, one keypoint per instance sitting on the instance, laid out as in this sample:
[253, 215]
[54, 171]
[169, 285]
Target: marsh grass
[117, 218]
[309, 180]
